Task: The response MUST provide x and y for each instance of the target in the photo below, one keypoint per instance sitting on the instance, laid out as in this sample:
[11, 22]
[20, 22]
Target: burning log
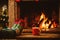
[37, 24]
[47, 21]
[45, 24]
[50, 24]
[41, 21]
[53, 24]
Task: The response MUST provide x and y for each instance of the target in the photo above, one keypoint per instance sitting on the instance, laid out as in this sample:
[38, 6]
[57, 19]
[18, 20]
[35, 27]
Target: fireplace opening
[31, 13]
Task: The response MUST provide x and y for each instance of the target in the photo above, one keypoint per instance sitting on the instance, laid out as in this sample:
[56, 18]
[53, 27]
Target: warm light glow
[49, 22]
[53, 25]
[42, 16]
[45, 25]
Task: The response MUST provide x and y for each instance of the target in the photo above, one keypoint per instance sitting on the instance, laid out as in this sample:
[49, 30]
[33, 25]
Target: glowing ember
[53, 25]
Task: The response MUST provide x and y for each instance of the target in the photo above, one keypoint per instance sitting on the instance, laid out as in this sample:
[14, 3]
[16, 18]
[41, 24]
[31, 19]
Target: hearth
[42, 14]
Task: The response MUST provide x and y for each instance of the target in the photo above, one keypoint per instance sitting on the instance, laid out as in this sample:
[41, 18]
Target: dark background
[3, 2]
[29, 8]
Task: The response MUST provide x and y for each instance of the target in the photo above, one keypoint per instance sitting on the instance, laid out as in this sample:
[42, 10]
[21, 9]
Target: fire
[53, 25]
[45, 25]
[42, 16]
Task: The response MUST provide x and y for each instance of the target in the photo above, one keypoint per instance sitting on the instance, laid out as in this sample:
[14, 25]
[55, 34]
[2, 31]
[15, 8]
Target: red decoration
[17, 0]
[35, 31]
[17, 20]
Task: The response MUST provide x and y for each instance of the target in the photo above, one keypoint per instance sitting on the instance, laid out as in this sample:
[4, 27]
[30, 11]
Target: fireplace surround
[31, 11]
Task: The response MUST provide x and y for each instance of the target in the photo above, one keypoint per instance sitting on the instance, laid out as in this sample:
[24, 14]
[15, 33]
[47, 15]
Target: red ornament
[17, 0]
[35, 31]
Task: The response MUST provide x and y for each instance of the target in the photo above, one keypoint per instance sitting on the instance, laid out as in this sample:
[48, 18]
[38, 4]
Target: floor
[52, 33]
[42, 35]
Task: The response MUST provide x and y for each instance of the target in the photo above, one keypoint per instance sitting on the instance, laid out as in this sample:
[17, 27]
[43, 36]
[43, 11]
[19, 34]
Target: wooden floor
[53, 33]
[42, 35]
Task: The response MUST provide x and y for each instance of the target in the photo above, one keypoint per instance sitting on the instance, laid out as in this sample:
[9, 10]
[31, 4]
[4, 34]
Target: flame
[42, 16]
[44, 25]
[53, 25]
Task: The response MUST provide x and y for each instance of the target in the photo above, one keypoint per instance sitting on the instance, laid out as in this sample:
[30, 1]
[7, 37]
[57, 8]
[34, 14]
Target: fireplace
[43, 14]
